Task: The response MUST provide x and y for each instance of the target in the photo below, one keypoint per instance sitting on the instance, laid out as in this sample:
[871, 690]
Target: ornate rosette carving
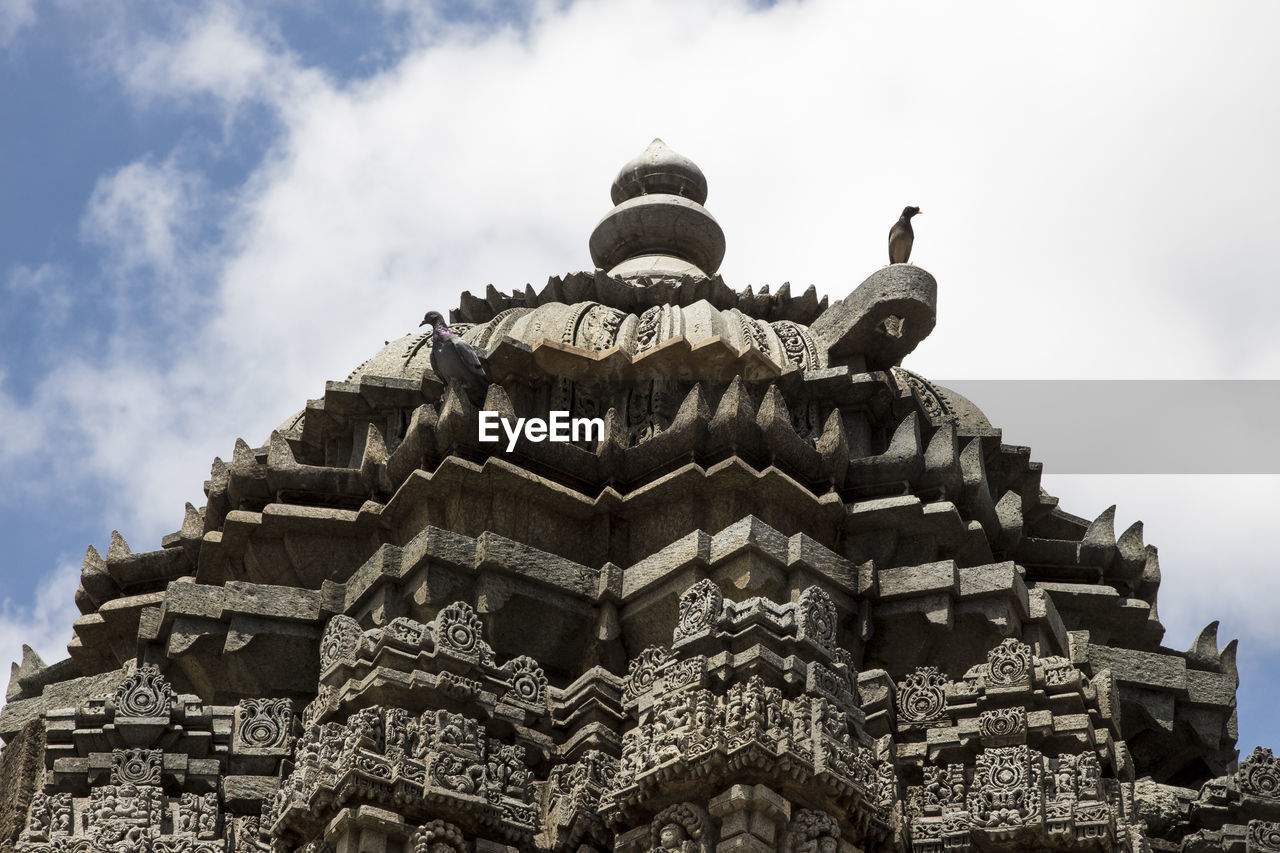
[136, 766]
[816, 618]
[1002, 722]
[458, 628]
[1005, 790]
[700, 608]
[145, 693]
[340, 642]
[528, 683]
[1009, 664]
[922, 696]
[643, 672]
[1263, 835]
[263, 723]
[1259, 774]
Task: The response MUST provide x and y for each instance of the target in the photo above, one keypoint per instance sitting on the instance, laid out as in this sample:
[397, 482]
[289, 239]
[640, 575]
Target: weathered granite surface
[798, 598]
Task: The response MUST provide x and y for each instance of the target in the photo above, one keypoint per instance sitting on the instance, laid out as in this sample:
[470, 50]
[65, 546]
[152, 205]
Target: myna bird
[901, 236]
[452, 358]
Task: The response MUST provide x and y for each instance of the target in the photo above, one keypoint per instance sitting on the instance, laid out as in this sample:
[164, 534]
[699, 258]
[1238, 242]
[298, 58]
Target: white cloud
[21, 433]
[15, 16]
[226, 53]
[46, 624]
[140, 214]
[47, 287]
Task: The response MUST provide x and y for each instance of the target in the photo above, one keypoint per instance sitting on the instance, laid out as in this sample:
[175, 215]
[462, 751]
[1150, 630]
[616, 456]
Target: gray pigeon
[453, 359]
[901, 236]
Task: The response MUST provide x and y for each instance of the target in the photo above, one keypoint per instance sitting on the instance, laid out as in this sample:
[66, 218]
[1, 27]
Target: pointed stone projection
[784, 595]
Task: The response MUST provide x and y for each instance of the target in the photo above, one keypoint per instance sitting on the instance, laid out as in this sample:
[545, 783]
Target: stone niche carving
[708, 716]
[1015, 797]
[449, 655]
[438, 760]
[124, 818]
[574, 791]
[438, 836]
[681, 828]
[812, 832]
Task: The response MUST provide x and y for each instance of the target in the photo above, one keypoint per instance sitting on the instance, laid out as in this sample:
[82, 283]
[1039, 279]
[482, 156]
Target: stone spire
[658, 226]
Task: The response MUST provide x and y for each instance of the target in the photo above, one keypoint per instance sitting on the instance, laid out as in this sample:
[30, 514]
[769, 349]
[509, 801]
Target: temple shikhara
[798, 598]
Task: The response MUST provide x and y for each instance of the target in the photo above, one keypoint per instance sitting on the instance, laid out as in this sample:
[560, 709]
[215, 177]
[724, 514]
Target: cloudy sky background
[206, 214]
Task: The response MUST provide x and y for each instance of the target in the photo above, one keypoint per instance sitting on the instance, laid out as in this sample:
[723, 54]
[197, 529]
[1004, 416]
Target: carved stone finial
[658, 169]
[658, 226]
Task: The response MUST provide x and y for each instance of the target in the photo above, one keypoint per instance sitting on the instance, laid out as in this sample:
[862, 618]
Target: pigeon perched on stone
[901, 236]
[453, 359]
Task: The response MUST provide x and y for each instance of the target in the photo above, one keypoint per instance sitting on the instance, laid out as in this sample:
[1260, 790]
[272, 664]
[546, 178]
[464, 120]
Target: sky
[208, 209]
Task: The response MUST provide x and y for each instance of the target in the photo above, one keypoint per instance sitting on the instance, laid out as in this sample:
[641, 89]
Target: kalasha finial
[658, 169]
[658, 226]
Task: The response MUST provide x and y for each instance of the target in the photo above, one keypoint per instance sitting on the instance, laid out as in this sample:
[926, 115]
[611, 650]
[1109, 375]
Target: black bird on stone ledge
[901, 236]
[453, 359]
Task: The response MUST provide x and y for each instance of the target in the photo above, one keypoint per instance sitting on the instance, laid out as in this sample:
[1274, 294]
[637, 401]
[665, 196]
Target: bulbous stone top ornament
[658, 169]
[658, 226]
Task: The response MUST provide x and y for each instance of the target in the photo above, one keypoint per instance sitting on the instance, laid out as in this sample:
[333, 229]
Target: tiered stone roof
[798, 597]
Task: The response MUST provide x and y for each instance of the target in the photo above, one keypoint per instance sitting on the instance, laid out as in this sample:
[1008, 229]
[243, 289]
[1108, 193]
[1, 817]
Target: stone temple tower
[795, 598]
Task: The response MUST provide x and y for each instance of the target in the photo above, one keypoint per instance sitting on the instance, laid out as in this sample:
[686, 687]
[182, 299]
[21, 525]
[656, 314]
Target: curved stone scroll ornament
[1259, 774]
[597, 327]
[1009, 664]
[816, 618]
[341, 641]
[796, 345]
[437, 837]
[145, 693]
[643, 672]
[700, 609]
[922, 696]
[263, 723]
[681, 828]
[812, 832]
